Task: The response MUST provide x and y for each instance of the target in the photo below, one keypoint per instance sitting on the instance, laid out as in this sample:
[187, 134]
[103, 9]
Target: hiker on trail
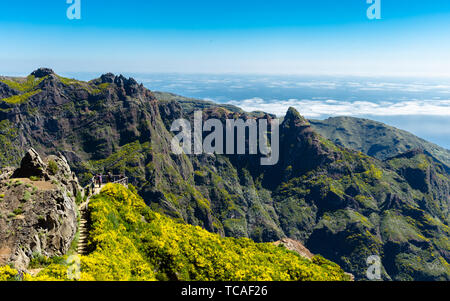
[110, 177]
[100, 181]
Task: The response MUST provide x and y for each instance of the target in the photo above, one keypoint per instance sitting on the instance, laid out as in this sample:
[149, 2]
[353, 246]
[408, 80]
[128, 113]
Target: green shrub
[78, 198]
[52, 167]
[39, 261]
[18, 211]
[26, 196]
[17, 183]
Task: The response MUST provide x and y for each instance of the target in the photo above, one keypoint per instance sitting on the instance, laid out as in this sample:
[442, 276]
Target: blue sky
[246, 36]
[303, 37]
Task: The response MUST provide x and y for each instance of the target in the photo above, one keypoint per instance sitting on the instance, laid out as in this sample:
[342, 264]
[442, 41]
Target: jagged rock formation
[38, 214]
[337, 202]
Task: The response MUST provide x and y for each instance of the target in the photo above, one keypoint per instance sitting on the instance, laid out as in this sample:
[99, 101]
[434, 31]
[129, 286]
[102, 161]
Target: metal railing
[101, 180]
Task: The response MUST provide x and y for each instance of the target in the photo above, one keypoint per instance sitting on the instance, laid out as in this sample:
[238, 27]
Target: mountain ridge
[342, 130]
[376, 138]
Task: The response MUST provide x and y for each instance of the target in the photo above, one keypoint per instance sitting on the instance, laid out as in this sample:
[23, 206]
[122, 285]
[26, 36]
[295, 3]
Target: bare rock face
[31, 166]
[295, 246]
[37, 215]
[6, 173]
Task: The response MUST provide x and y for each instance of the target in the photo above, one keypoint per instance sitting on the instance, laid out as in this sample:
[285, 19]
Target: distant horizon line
[300, 74]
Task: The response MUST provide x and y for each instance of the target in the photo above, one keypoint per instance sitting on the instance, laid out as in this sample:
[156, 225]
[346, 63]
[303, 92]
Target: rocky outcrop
[38, 216]
[31, 166]
[295, 246]
[42, 72]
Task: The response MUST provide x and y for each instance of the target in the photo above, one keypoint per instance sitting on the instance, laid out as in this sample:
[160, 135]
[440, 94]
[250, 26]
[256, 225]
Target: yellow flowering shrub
[7, 273]
[129, 241]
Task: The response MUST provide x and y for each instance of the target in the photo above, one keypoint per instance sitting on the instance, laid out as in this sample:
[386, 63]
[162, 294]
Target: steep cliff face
[338, 202]
[38, 214]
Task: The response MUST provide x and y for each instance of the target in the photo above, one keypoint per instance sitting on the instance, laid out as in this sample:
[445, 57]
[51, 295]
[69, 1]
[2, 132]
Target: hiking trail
[92, 189]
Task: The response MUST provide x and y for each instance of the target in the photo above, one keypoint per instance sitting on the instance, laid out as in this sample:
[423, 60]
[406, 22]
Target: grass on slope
[23, 84]
[26, 85]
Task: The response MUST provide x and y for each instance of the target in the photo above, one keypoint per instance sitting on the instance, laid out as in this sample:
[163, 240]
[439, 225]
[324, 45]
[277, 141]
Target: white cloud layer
[330, 107]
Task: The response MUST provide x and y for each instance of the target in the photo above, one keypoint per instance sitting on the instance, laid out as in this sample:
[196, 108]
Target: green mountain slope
[339, 202]
[375, 138]
[128, 241]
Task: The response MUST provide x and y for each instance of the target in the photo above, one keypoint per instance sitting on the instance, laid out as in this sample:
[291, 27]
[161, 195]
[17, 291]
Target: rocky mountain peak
[42, 72]
[107, 78]
[119, 80]
[294, 118]
[129, 85]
